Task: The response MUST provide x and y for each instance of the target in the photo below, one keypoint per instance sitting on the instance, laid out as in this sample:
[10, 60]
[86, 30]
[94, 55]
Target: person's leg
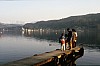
[61, 47]
[71, 46]
[75, 44]
[67, 45]
[64, 47]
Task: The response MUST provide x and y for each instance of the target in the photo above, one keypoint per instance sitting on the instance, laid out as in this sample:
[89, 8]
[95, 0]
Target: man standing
[69, 38]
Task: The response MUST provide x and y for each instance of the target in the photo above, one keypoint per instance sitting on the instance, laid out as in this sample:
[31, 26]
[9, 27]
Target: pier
[52, 58]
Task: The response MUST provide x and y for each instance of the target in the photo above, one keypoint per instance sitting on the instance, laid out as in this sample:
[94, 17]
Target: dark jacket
[69, 36]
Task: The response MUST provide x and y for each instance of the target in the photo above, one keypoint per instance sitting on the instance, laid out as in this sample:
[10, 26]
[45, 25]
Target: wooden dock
[53, 58]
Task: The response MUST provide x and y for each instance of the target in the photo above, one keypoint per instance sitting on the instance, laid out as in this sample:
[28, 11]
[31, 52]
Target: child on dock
[62, 41]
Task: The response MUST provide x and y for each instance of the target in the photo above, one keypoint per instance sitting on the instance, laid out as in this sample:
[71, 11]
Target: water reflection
[42, 34]
[88, 38]
[20, 44]
[15, 46]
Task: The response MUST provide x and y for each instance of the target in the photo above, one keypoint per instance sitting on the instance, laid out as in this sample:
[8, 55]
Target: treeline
[84, 21]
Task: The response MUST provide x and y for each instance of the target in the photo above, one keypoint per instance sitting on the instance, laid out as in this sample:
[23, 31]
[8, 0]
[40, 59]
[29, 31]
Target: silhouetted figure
[74, 38]
[69, 38]
[66, 43]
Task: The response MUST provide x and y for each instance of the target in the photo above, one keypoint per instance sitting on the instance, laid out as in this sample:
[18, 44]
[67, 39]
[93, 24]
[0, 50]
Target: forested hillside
[83, 21]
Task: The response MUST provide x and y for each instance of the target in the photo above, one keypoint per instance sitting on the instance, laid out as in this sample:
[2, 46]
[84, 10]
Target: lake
[15, 45]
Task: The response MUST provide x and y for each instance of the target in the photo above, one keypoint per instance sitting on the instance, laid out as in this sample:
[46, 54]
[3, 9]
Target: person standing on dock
[74, 38]
[69, 38]
[62, 41]
[66, 43]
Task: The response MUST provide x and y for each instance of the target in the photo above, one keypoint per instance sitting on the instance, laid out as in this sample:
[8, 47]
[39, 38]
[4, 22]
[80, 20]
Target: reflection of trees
[89, 37]
[86, 37]
[0, 34]
[98, 37]
[45, 34]
[12, 33]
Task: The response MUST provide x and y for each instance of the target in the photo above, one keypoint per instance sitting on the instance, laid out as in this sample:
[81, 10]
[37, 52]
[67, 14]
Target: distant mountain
[2, 25]
[10, 26]
[83, 21]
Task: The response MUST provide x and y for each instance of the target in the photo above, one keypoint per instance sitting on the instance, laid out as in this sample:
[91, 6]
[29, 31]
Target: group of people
[68, 41]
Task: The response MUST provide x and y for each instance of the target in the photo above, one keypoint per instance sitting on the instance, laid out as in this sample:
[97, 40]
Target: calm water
[18, 45]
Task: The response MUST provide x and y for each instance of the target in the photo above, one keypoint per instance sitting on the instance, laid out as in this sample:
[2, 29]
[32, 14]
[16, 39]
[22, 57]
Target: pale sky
[23, 11]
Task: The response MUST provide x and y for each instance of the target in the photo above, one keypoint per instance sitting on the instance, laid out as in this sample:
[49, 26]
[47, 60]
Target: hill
[14, 27]
[83, 21]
